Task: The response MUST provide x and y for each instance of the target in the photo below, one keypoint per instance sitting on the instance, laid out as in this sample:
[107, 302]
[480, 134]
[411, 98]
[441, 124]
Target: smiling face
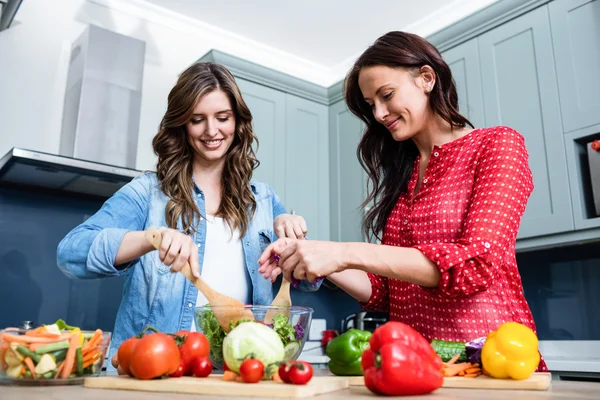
[398, 98]
[211, 129]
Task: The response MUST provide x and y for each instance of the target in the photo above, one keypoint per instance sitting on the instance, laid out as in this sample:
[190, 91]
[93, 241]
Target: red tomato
[201, 367]
[124, 354]
[153, 356]
[225, 367]
[180, 370]
[284, 373]
[300, 373]
[194, 345]
[252, 370]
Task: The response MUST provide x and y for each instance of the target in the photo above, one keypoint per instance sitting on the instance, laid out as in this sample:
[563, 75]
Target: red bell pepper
[400, 361]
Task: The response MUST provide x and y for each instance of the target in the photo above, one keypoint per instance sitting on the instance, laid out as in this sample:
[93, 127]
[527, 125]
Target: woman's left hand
[290, 226]
[302, 259]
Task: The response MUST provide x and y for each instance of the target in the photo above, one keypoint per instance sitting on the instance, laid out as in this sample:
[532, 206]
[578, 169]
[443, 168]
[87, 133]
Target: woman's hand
[115, 363]
[302, 259]
[176, 249]
[290, 226]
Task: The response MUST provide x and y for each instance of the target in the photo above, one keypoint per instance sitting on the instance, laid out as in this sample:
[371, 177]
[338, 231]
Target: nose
[211, 128]
[380, 113]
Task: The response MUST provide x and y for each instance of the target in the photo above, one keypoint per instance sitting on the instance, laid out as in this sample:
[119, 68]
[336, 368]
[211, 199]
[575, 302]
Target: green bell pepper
[345, 352]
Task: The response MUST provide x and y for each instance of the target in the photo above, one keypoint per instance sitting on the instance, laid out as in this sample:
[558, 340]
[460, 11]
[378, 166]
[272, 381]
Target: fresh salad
[51, 352]
[291, 335]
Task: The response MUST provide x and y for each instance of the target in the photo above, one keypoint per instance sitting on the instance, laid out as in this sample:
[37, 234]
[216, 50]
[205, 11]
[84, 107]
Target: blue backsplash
[32, 223]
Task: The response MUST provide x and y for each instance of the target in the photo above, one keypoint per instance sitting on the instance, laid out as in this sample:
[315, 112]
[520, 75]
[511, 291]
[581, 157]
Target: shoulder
[500, 135]
[146, 182]
[261, 190]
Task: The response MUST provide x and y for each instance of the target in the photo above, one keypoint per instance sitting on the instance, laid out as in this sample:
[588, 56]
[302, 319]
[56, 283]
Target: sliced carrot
[31, 367]
[276, 377]
[239, 379]
[59, 369]
[33, 339]
[229, 376]
[461, 373]
[453, 359]
[455, 369]
[70, 358]
[471, 375]
[472, 370]
[37, 331]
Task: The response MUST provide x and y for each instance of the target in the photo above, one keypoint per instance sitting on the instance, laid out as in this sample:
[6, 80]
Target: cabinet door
[307, 164]
[268, 120]
[464, 63]
[576, 38]
[347, 177]
[519, 91]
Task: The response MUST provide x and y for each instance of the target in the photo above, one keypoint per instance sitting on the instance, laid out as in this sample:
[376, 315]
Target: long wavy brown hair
[175, 155]
[389, 163]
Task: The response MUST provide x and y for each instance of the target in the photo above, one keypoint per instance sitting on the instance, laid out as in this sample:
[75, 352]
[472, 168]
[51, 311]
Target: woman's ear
[427, 78]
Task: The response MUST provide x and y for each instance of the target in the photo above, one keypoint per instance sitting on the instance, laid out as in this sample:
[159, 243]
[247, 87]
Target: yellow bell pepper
[511, 352]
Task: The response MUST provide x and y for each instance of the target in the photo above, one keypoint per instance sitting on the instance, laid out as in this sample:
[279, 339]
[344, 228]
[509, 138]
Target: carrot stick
[30, 365]
[453, 359]
[59, 369]
[472, 370]
[37, 331]
[32, 339]
[454, 369]
[229, 376]
[70, 358]
[471, 375]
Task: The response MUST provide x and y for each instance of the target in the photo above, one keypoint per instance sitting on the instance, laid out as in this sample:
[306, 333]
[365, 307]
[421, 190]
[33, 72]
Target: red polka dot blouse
[464, 218]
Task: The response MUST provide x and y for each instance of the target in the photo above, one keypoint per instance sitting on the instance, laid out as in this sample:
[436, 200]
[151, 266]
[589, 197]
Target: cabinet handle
[293, 212]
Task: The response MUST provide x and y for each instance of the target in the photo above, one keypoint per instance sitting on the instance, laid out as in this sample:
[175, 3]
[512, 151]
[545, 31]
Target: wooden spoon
[226, 309]
[282, 299]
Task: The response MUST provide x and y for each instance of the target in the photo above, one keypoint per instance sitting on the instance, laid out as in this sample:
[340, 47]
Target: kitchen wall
[32, 223]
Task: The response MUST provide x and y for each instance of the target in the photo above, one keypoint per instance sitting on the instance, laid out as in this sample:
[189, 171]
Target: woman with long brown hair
[203, 201]
[448, 199]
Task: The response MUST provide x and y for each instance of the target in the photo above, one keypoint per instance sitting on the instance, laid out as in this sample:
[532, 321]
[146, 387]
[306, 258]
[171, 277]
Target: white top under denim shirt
[152, 294]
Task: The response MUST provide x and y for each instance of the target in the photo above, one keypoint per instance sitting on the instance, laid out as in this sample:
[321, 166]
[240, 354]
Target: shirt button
[425, 180]
[190, 305]
[405, 222]
[435, 154]
[199, 245]
[487, 245]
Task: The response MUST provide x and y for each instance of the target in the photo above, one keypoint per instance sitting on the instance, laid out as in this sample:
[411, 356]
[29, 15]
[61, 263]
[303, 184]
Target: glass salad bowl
[290, 323]
[35, 357]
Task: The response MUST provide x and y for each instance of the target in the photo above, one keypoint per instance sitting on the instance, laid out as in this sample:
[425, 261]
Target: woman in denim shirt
[203, 201]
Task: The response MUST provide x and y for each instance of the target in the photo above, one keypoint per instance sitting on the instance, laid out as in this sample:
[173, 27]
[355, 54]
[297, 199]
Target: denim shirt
[152, 294]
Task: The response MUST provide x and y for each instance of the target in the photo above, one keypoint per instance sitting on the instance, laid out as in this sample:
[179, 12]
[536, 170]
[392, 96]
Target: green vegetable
[49, 374]
[446, 350]
[215, 335]
[62, 325]
[27, 353]
[345, 352]
[253, 339]
[59, 355]
[79, 361]
[14, 372]
[284, 329]
[52, 347]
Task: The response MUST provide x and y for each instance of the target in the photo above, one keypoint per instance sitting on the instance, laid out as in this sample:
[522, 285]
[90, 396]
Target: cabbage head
[252, 339]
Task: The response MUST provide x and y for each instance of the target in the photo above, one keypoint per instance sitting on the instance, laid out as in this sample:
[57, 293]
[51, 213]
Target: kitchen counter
[560, 390]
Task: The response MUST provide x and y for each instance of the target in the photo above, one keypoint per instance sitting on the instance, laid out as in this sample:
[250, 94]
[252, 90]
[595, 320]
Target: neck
[208, 174]
[436, 133]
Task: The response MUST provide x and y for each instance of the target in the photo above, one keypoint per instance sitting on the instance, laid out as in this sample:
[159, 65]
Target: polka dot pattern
[464, 218]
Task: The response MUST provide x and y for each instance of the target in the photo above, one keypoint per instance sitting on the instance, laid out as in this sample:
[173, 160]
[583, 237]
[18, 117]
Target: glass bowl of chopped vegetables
[290, 323]
[49, 355]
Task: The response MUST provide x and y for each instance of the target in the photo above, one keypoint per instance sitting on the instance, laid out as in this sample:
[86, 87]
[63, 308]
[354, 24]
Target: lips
[212, 144]
[392, 124]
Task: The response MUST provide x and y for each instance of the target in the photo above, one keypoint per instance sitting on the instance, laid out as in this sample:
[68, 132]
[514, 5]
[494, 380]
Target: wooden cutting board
[215, 385]
[537, 381]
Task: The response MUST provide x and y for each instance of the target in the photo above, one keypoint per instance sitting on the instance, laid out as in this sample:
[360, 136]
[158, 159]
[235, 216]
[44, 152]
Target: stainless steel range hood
[20, 167]
[8, 10]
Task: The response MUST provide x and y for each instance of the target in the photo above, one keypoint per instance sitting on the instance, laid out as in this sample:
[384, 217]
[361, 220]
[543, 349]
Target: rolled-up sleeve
[90, 249]
[503, 183]
[380, 295]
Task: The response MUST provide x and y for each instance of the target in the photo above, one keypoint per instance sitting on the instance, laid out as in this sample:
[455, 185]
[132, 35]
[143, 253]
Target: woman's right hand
[115, 363]
[176, 249]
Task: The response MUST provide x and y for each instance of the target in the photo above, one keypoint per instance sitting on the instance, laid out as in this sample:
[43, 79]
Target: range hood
[8, 10]
[23, 167]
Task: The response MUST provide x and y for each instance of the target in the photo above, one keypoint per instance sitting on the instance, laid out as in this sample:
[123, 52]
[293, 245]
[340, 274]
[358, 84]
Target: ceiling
[329, 33]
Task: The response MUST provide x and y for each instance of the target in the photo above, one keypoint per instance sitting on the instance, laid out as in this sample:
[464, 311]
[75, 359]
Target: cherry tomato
[596, 145]
[180, 370]
[201, 366]
[225, 367]
[124, 355]
[252, 370]
[283, 372]
[194, 345]
[154, 355]
[300, 373]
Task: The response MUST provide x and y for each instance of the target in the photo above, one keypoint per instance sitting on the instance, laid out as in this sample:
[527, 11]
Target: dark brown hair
[389, 163]
[175, 155]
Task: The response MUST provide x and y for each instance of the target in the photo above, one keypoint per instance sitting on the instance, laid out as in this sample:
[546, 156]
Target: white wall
[34, 56]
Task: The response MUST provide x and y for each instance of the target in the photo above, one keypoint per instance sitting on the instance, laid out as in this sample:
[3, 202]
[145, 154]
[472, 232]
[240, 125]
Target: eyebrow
[218, 112]
[377, 91]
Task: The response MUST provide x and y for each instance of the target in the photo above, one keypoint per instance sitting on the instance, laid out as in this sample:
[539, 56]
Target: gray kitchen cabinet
[576, 38]
[348, 179]
[268, 120]
[520, 91]
[307, 163]
[464, 63]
